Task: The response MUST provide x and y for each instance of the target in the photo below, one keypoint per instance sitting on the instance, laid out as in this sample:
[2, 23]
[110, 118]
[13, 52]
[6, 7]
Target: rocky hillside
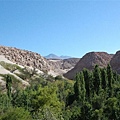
[70, 63]
[62, 66]
[88, 61]
[25, 58]
[68, 67]
[115, 62]
[25, 67]
[35, 60]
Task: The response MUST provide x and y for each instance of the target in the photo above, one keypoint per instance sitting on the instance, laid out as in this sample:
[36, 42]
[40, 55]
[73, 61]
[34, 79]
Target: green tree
[79, 88]
[97, 79]
[111, 109]
[82, 85]
[15, 114]
[97, 114]
[110, 80]
[104, 79]
[8, 86]
[88, 82]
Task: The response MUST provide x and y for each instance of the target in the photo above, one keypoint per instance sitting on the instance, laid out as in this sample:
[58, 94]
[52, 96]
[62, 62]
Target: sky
[62, 27]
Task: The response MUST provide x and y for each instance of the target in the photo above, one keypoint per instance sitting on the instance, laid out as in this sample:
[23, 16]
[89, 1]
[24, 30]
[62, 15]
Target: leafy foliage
[94, 95]
[15, 114]
[97, 93]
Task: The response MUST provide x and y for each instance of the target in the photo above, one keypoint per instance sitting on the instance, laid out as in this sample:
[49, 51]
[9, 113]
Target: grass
[10, 67]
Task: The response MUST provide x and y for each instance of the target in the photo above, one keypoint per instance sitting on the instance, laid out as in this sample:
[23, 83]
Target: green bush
[59, 77]
[16, 114]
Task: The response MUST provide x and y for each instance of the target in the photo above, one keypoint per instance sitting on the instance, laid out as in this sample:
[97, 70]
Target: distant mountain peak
[65, 57]
[53, 56]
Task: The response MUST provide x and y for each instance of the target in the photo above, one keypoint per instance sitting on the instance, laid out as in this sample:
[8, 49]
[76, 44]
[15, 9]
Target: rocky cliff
[115, 62]
[88, 61]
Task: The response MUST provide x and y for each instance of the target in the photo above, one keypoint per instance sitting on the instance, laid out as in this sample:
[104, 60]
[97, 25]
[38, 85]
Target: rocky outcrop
[115, 62]
[70, 63]
[63, 66]
[25, 58]
[88, 61]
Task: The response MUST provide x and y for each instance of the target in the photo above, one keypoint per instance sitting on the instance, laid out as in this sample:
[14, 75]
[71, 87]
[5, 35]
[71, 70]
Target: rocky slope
[62, 66]
[115, 62]
[25, 58]
[88, 61]
[21, 64]
[68, 67]
[35, 60]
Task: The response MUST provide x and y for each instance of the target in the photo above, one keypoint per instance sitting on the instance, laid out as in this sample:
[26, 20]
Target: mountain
[56, 66]
[115, 62]
[65, 57]
[53, 56]
[88, 61]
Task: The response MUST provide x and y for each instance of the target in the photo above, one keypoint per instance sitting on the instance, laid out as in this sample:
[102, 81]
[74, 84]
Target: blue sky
[62, 27]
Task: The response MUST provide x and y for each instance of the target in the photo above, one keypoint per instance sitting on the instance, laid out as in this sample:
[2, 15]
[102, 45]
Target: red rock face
[88, 61]
[115, 62]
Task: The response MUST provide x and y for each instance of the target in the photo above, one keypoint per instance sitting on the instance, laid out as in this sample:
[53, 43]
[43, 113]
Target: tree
[96, 79]
[82, 85]
[110, 80]
[59, 77]
[111, 109]
[79, 88]
[8, 86]
[16, 114]
[88, 82]
[104, 78]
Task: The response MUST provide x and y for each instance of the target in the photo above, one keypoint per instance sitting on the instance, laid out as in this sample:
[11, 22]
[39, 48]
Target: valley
[33, 87]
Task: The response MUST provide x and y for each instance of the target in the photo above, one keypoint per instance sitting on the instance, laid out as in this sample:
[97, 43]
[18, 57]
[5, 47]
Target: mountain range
[53, 56]
[15, 62]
